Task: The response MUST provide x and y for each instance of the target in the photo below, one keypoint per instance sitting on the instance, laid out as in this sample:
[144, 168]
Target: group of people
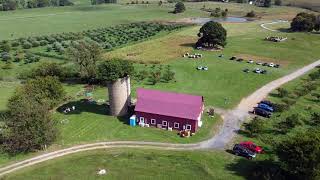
[192, 55]
[67, 110]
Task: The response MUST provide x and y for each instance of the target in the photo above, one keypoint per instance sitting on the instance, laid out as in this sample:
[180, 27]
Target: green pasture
[139, 164]
[82, 16]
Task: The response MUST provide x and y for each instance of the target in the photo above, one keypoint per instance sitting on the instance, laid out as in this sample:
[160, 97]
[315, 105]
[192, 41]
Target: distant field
[31, 22]
[139, 164]
[307, 4]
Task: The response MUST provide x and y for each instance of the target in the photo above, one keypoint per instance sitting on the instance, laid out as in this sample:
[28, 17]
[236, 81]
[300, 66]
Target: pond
[202, 21]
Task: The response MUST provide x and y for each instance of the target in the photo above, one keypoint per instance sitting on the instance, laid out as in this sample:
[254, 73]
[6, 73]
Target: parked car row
[234, 58]
[264, 109]
[256, 70]
[247, 149]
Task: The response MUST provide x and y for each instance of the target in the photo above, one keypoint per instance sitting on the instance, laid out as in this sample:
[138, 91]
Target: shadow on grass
[84, 105]
[251, 169]
[192, 45]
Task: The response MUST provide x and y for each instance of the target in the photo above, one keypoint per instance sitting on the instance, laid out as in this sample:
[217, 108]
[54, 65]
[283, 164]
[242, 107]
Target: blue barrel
[133, 121]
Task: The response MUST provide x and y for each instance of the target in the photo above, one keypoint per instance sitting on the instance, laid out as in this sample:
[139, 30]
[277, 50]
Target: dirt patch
[263, 59]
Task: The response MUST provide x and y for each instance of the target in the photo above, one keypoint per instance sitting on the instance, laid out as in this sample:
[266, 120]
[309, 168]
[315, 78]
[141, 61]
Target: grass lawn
[138, 164]
[39, 21]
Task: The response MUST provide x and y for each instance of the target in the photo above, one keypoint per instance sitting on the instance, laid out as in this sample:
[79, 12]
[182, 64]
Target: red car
[251, 146]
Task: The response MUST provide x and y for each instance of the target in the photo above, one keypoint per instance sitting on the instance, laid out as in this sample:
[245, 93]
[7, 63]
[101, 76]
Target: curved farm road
[263, 25]
[232, 122]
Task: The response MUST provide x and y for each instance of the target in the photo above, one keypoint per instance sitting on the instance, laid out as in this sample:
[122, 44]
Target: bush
[251, 14]
[26, 45]
[280, 107]
[6, 47]
[282, 92]
[179, 8]
[15, 44]
[43, 42]
[278, 2]
[255, 127]
[35, 43]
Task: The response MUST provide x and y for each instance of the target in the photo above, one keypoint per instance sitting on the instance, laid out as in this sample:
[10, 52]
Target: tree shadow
[274, 95]
[251, 169]
[192, 45]
[241, 167]
[83, 105]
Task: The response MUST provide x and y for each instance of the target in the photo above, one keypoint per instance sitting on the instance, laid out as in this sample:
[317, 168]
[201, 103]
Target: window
[188, 127]
[176, 125]
[142, 119]
[164, 123]
[153, 121]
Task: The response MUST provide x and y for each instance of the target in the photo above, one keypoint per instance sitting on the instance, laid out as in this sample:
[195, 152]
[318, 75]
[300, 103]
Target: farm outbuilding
[169, 110]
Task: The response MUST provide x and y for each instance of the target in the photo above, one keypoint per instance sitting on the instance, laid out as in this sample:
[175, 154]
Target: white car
[259, 63]
[250, 61]
[258, 70]
[271, 65]
[205, 68]
[199, 68]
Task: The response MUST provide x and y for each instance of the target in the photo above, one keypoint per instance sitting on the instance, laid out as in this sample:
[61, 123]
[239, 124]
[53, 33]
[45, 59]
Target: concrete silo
[119, 96]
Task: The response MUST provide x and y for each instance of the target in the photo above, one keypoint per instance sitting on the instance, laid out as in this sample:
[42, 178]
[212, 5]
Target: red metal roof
[169, 103]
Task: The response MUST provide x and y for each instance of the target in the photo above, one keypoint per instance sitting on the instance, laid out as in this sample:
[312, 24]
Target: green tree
[6, 47]
[85, 54]
[45, 90]
[278, 2]
[316, 95]
[29, 126]
[267, 3]
[111, 70]
[154, 75]
[168, 74]
[303, 22]
[179, 8]
[212, 35]
[47, 69]
[299, 155]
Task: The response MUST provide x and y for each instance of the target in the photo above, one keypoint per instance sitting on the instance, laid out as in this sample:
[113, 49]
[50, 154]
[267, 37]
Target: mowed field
[138, 164]
[82, 16]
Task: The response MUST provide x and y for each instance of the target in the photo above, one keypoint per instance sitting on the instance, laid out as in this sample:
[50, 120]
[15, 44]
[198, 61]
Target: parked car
[259, 63]
[271, 65]
[199, 68]
[233, 58]
[265, 107]
[242, 151]
[261, 112]
[250, 61]
[277, 65]
[251, 146]
[240, 60]
[265, 64]
[246, 70]
[263, 71]
[257, 70]
[269, 103]
[205, 68]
